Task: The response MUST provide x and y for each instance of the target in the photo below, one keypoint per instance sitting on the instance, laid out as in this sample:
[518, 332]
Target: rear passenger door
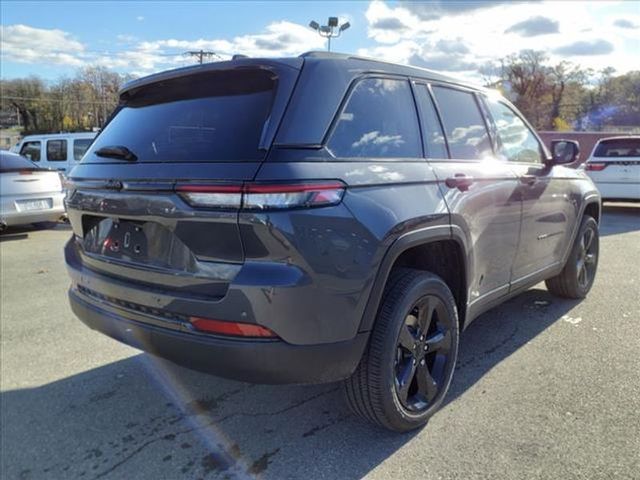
[550, 195]
[479, 189]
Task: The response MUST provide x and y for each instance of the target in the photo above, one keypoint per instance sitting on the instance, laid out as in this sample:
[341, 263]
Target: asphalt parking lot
[545, 388]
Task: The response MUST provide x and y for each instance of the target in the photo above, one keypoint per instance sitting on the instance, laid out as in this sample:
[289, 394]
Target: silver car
[28, 194]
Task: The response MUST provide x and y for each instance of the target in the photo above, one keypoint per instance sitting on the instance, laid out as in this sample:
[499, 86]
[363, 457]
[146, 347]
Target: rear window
[209, 117]
[14, 163]
[623, 147]
[80, 146]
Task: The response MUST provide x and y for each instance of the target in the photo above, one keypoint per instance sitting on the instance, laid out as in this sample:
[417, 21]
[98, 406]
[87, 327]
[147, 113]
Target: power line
[201, 54]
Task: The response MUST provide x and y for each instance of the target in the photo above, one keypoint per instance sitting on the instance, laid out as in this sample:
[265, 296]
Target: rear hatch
[615, 161]
[211, 124]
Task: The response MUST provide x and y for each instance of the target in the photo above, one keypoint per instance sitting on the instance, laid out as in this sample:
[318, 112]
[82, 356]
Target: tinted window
[516, 142]
[31, 150]
[56, 150]
[10, 162]
[619, 147]
[379, 120]
[208, 117]
[431, 128]
[463, 123]
[80, 146]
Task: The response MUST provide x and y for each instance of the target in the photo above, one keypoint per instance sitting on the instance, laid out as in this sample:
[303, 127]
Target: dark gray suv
[320, 218]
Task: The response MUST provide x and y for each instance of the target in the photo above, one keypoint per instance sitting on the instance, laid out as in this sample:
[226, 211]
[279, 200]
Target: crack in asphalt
[213, 421]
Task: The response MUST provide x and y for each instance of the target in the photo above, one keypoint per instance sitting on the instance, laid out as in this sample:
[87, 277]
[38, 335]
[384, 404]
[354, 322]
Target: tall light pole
[330, 30]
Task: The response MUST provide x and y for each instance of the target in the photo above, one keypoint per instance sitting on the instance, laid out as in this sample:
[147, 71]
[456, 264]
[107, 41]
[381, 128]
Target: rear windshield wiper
[117, 151]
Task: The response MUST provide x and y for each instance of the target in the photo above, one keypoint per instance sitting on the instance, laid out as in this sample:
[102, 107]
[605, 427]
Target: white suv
[614, 166]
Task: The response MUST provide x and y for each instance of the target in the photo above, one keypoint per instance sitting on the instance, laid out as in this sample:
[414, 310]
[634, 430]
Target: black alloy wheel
[405, 372]
[423, 353]
[587, 257]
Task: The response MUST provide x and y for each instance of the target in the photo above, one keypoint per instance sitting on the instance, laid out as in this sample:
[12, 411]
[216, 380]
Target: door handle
[528, 179]
[460, 181]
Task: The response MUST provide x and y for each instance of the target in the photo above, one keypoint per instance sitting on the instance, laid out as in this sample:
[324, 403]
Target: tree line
[552, 97]
[83, 102]
[564, 96]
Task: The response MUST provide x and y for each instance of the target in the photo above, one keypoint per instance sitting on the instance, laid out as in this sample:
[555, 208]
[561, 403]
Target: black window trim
[427, 85]
[481, 110]
[345, 100]
[544, 154]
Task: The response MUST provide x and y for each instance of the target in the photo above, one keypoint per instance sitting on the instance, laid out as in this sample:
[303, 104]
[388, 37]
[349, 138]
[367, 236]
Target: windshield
[209, 117]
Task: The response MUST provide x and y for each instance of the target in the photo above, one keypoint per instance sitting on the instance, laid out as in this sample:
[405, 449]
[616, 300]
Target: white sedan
[28, 194]
[614, 166]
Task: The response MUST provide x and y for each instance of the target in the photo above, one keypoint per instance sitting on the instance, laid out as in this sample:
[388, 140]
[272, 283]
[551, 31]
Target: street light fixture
[330, 30]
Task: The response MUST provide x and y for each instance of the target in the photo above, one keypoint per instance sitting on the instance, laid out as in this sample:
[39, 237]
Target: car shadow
[22, 232]
[619, 218]
[145, 418]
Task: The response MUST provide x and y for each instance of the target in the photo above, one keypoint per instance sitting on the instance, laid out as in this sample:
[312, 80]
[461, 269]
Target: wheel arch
[593, 208]
[430, 249]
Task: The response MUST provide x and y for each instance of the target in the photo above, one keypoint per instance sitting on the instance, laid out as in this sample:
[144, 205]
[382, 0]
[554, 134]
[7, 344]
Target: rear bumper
[256, 361]
[10, 215]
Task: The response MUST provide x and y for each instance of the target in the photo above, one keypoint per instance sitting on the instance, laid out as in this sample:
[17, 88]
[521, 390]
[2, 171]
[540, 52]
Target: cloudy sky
[53, 39]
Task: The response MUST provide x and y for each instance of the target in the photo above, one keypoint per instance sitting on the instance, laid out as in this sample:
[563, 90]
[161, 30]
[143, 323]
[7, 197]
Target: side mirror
[564, 152]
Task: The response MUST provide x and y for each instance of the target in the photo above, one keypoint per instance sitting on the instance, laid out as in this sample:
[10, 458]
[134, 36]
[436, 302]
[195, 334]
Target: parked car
[320, 218]
[28, 193]
[58, 151]
[614, 166]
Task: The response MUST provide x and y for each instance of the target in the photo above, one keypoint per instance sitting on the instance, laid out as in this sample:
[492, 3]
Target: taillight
[260, 196]
[212, 196]
[236, 329]
[595, 166]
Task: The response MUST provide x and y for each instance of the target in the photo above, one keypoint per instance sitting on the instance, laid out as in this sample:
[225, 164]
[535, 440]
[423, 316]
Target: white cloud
[25, 44]
[140, 18]
[279, 39]
[461, 41]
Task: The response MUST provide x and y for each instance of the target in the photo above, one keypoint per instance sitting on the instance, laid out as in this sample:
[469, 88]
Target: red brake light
[230, 328]
[262, 196]
[595, 166]
[212, 196]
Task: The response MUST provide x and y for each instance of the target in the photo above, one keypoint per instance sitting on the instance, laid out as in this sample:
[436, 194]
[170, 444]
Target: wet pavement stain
[262, 463]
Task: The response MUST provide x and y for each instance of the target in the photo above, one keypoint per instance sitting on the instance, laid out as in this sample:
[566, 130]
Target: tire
[404, 374]
[578, 274]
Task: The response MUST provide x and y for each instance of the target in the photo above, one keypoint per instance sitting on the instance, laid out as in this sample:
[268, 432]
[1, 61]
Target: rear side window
[619, 147]
[464, 125]
[208, 117]
[80, 146]
[431, 129]
[31, 150]
[56, 150]
[378, 121]
[516, 142]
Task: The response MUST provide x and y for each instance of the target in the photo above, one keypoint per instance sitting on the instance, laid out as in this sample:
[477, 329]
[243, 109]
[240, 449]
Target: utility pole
[201, 54]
